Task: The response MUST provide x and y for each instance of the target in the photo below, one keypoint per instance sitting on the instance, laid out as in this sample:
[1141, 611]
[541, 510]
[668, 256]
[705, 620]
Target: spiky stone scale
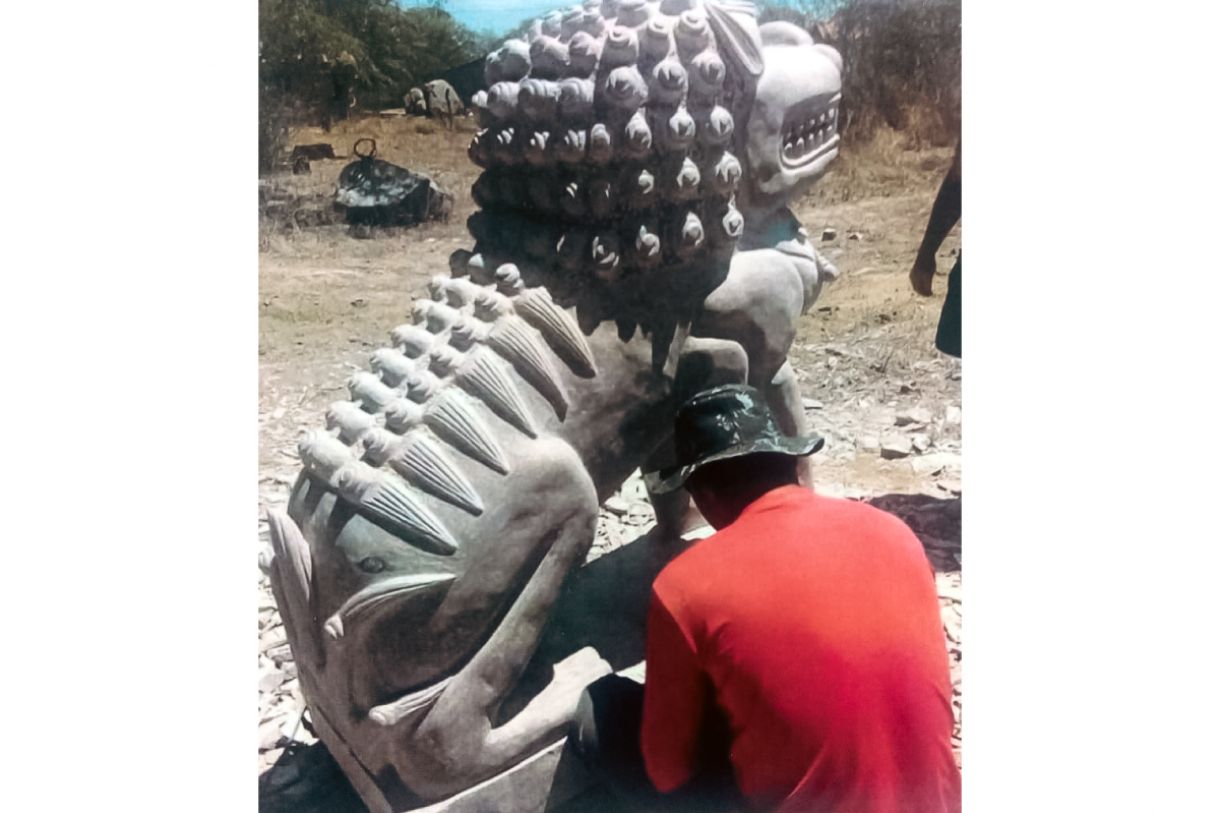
[454, 420]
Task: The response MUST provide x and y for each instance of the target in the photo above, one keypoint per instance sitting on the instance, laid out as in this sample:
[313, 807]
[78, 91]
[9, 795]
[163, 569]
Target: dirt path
[873, 383]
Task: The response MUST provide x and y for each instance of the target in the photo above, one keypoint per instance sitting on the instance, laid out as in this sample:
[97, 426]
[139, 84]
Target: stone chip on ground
[916, 416]
[894, 447]
[617, 505]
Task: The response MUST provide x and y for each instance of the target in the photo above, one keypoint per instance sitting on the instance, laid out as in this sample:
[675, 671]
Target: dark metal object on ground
[377, 193]
[313, 152]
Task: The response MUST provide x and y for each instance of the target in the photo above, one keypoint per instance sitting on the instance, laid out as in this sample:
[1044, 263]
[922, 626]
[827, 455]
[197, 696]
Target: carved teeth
[802, 139]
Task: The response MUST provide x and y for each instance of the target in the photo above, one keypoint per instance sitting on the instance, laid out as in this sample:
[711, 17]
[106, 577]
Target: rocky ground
[887, 402]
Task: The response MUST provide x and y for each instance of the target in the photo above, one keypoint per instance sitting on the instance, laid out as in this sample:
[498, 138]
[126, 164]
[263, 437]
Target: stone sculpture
[442, 101]
[415, 103]
[634, 245]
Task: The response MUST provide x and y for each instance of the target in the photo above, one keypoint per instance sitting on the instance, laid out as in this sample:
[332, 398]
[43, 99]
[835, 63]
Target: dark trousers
[606, 734]
[949, 330]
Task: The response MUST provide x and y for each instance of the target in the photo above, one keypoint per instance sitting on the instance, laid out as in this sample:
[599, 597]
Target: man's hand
[922, 272]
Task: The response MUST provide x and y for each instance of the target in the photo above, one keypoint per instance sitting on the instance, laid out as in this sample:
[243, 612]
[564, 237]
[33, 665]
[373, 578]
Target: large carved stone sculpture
[633, 245]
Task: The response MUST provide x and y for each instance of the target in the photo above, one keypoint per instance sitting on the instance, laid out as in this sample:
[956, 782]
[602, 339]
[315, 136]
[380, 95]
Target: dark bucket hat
[728, 421]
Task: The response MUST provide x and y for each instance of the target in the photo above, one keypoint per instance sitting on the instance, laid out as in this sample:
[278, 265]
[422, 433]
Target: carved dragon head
[792, 128]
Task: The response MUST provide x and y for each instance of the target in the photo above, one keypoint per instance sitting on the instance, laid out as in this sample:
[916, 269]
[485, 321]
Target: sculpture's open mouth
[379, 596]
[810, 131]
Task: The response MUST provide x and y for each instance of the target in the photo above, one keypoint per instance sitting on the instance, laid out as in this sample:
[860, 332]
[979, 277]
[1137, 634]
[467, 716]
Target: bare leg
[784, 397]
[704, 363]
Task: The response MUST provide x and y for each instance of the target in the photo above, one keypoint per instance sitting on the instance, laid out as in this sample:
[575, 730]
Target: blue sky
[496, 15]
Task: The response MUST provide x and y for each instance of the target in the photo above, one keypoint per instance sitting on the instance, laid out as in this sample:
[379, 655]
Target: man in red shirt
[795, 659]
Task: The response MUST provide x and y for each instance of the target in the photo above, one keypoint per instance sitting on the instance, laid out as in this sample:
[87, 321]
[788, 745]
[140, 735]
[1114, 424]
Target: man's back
[813, 625]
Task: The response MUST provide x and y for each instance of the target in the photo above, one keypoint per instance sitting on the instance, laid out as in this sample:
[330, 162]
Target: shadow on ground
[936, 521]
[306, 779]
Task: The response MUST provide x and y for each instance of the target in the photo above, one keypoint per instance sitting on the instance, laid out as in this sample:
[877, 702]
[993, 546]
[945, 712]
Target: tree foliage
[315, 54]
[902, 61]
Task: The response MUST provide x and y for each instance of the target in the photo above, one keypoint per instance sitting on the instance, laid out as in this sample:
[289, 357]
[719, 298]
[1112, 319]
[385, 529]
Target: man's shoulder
[863, 512]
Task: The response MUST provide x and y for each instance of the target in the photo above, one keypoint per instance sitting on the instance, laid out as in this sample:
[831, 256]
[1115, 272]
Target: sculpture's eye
[372, 564]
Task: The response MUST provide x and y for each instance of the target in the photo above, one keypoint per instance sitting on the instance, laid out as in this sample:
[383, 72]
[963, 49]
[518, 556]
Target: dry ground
[864, 352]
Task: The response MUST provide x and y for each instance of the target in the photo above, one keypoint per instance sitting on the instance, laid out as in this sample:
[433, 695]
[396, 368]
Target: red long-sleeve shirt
[812, 624]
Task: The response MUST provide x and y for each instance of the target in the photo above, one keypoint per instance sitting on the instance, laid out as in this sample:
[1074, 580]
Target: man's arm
[676, 693]
[946, 211]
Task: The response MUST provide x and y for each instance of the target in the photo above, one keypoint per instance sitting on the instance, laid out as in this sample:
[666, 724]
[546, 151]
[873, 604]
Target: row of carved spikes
[603, 143]
[622, 90]
[609, 194]
[586, 41]
[643, 242]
